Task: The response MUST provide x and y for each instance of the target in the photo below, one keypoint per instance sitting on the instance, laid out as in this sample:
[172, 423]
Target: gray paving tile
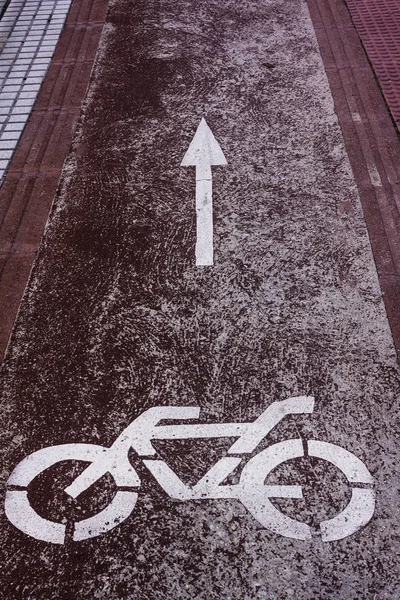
[5, 154]
[11, 126]
[20, 110]
[24, 95]
[7, 145]
[7, 99]
[30, 88]
[8, 89]
[34, 80]
[11, 135]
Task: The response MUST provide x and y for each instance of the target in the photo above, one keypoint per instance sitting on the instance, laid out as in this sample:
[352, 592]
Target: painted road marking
[21, 514]
[251, 490]
[203, 152]
[29, 41]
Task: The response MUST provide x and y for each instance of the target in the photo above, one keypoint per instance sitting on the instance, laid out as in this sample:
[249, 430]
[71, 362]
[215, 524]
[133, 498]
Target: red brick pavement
[378, 25]
[32, 179]
[371, 141]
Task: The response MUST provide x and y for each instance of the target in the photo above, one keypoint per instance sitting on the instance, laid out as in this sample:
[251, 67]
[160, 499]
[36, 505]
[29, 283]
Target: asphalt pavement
[203, 336]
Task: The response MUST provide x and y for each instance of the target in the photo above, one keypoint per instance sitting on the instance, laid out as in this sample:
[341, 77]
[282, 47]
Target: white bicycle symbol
[250, 490]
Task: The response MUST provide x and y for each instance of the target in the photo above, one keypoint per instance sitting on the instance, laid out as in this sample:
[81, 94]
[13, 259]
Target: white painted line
[256, 496]
[357, 513]
[203, 152]
[350, 465]
[21, 514]
[115, 513]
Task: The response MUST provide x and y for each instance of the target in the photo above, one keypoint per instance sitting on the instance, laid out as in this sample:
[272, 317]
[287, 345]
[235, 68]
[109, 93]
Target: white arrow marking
[203, 152]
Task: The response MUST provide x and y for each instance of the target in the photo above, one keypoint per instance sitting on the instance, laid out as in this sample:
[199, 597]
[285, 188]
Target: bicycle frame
[145, 428]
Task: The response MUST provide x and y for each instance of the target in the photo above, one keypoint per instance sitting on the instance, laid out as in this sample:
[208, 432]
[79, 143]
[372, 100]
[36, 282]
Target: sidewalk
[34, 172]
[371, 140]
[287, 341]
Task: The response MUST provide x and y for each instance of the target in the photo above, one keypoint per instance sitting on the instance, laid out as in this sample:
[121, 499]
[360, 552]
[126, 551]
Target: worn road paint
[251, 490]
[117, 319]
[203, 152]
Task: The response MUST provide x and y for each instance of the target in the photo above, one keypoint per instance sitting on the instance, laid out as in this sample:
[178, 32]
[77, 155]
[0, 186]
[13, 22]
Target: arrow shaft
[204, 214]
[203, 152]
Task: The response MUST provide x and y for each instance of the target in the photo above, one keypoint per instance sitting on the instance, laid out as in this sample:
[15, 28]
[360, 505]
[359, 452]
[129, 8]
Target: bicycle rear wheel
[24, 517]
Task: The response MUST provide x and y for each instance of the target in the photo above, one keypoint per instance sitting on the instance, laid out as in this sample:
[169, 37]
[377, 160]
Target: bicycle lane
[118, 318]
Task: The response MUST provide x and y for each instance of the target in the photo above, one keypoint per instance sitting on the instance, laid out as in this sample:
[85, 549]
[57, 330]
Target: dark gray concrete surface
[117, 318]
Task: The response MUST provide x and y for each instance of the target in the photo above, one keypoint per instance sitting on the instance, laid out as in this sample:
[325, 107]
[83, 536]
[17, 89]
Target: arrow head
[203, 149]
